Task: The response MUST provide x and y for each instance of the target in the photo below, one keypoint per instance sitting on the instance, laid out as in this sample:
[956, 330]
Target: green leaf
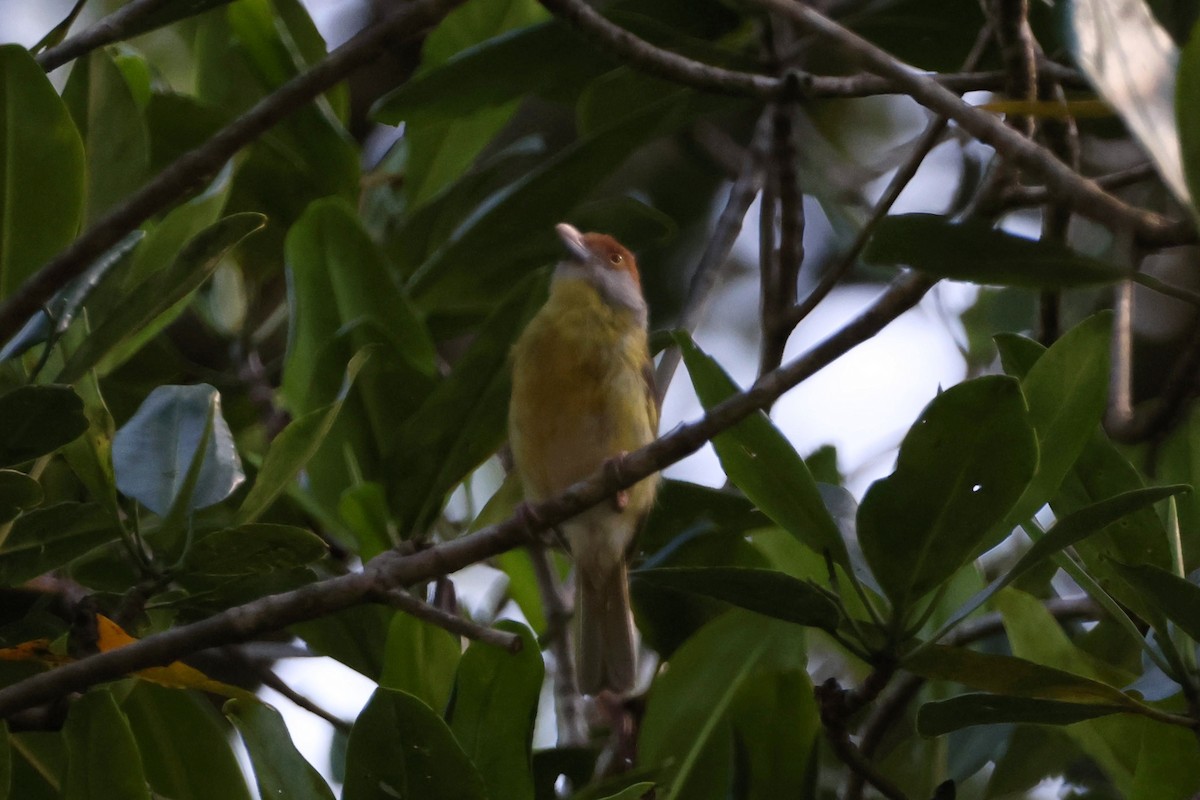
[763, 464]
[356, 637]
[681, 506]
[116, 138]
[1072, 528]
[41, 169]
[36, 420]
[184, 743]
[420, 659]
[1187, 115]
[18, 492]
[687, 731]
[168, 12]
[766, 591]
[1176, 598]
[494, 72]
[961, 467]
[635, 792]
[495, 705]
[292, 448]
[254, 548]
[159, 292]
[47, 538]
[973, 250]
[152, 451]
[103, 762]
[279, 768]
[400, 750]
[1130, 59]
[1016, 677]
[5, 762]
[965, 710]
[464, 420]
[1067, 392]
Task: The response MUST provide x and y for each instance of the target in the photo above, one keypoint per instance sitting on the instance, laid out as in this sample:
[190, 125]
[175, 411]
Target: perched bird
[583, 393]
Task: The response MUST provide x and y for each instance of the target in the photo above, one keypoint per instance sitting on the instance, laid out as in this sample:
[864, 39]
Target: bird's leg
[612, 466]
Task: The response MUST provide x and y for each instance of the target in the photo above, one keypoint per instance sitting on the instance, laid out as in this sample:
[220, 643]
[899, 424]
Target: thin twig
[270, 679]
[720, 245]
[904, 175]
[1028, 196]
[392, 569]
[1010, 20]
[568, 701]
[1085, 197]
[402, 600]
[112, 28]
[194, 168]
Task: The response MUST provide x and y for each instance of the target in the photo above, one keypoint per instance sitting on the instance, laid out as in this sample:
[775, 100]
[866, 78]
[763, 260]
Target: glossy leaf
[400, 750]
[41, 169]
[279, 769]
[356, 637]
[687, 731]
[961, 467]
[1131, 60]
[292, 448]
[153, 450]
[160, 291]
[18, 492]
[973, 250]
[255, 547]
[103, 761]
[47, 538]
[1072, 528]
[116, 139]
[5, 762]
[763, 464]
[1067, 392]
[965, 710]
[1178, 599]
[184, 743]
[36, 420]
[766, 591]
[420, 659]
[495, 704]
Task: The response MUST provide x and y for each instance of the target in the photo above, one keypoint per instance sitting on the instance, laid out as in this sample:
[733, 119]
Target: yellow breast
[580, 394]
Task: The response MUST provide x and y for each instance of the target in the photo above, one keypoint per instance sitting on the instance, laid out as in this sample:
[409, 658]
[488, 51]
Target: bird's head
[604, 263]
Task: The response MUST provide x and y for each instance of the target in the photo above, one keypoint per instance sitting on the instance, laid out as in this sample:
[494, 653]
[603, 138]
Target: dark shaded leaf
[961, 467]
[279, 768]
[763, 464]
[420, 659]
[965, 710]
[103, 761]
[400, 750]
[47, 538]
[18, 492]
[495, 704]
[766, 591]
[41, 169]
[255, 547]
[36, 420]
[974, 251]
[1176, 598]
[1187, 115]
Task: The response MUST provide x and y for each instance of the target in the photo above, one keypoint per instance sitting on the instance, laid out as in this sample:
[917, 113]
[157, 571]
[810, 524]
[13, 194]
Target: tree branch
[1084, 196]
[112, 28]
[197, 166]
[394, 569]
[402, 600]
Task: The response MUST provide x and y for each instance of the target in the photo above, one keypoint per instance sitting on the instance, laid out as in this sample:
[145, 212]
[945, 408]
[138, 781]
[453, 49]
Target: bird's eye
[616, 258]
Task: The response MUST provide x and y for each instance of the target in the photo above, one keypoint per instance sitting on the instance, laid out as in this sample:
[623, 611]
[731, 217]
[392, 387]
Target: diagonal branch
[394, 569]
[196, 167]
[112, 28]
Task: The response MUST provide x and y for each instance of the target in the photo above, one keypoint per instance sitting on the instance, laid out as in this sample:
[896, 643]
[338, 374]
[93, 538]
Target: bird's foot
[535, 526]
[612, 466]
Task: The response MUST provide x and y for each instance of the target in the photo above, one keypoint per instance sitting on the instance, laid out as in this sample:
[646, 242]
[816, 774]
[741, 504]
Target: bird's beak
[573, 239]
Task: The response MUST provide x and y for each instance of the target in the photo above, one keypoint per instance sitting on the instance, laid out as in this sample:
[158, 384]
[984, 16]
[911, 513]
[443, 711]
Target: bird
[582, 395]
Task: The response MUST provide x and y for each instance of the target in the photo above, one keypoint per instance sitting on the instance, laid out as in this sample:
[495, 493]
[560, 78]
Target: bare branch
[568, 701]
[1085, 197]
[194, 168]
[393, 569]
[402, 600]
[112, 28]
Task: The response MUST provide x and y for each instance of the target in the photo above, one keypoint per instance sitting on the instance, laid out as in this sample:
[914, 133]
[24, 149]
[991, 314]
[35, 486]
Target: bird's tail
[606, 656]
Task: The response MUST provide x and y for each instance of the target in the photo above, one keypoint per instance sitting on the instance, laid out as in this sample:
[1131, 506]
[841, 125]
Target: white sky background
[862, 404]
